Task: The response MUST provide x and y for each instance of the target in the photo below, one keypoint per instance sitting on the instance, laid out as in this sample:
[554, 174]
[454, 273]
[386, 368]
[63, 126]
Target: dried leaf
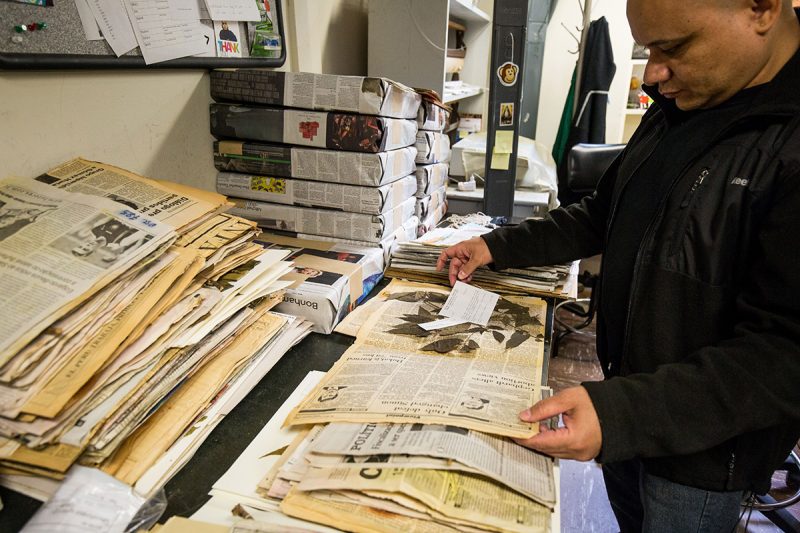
[408, 329]
[472, 345]
[499, 337]
[443, 345]
[517, 338]
[415, 319]
[457, 328]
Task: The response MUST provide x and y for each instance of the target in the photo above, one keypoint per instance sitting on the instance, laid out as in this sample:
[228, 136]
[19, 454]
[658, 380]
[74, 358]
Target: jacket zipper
[686, 205]
[731, 467]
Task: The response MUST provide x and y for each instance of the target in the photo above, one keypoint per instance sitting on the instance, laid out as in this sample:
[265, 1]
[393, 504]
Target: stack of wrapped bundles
[433, 154]
[135, 314]
[350, 172]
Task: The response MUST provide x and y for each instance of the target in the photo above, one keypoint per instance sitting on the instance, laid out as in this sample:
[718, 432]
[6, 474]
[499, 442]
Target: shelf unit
[632, 116]
[408, 42]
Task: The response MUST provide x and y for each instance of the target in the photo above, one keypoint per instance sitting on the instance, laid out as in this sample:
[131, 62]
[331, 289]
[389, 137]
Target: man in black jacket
[699, 322]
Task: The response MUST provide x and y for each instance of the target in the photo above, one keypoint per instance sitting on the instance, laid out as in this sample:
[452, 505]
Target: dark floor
[584, 506]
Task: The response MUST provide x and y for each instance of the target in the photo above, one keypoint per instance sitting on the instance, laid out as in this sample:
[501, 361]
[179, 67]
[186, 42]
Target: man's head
[705, 51]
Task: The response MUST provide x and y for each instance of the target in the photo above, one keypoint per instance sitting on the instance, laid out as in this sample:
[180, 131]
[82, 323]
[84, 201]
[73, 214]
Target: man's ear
[766, 13]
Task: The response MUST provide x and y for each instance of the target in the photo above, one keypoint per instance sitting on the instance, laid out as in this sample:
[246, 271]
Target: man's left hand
[579, 438]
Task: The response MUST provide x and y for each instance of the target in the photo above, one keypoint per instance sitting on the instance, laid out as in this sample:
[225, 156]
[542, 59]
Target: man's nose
[656, 72]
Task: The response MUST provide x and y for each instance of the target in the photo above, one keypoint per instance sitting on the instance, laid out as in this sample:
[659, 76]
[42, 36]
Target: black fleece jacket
[707, 391]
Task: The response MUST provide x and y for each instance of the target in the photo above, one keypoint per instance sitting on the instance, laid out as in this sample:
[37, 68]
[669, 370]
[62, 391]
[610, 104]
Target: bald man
[699, 313]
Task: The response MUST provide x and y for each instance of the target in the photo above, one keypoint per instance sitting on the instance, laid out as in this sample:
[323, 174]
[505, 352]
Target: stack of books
[433, 155]
[135, 315]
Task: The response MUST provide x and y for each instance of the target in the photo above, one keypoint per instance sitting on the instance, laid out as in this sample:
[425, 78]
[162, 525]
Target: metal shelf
[464, 10]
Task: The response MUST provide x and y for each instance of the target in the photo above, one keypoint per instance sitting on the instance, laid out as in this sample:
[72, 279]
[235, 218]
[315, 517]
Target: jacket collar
[780, 97]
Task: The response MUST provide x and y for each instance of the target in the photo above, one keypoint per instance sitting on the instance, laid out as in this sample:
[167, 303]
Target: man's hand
[579, 438]
[464, 258]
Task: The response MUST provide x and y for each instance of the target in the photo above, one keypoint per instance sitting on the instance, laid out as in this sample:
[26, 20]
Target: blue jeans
[643, 502]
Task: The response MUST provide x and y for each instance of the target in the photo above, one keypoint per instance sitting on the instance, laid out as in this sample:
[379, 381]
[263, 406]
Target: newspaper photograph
[501, 459]
[57, 248]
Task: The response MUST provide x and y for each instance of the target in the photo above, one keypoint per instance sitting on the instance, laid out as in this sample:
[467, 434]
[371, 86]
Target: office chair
[777, 511]
[586, 163]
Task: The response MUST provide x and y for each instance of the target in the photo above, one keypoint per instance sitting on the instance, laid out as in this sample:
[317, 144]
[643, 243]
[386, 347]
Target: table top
[188, 490]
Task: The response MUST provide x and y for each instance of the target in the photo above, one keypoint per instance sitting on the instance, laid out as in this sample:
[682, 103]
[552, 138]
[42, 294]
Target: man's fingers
[553, 442]
[455, 266]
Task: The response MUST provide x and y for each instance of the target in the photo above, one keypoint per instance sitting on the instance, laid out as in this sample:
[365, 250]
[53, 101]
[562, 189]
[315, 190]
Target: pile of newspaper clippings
[416, 260]
[408, 432]
[135, 315]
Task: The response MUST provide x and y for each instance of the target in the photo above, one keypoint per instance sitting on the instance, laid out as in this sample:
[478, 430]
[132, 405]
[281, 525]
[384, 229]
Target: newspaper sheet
[327, 508]
[502, 459]
[172, 203]
[464, 375]
[349, 198]
[460, 497]
[57, 248]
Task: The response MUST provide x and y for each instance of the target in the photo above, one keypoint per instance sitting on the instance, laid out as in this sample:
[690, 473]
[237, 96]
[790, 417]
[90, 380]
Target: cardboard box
[355, 226]
[330, 279]
[290, 191]
[432, 117]
[313, 164]
[336, 131]
[430, 178]
[432, 147]
[328, 92]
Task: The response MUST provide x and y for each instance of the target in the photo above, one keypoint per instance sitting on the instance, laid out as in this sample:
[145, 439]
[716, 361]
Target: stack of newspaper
[433, 154]
[411, 430]
[350, 172]
[127, 305]
[416, 260]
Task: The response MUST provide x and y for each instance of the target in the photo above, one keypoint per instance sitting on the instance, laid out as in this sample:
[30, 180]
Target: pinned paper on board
[503, 147]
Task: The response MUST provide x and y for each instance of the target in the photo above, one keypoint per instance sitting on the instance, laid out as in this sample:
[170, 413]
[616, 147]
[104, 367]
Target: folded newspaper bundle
[329, 222]
[129, 306]
[412, 431]
[330, 279]
[428, 204]
[313, 164]
[328, 92]
[416, 260]
[430, 178]
[432, 147]
[318, 129]
[435, 212]
[289, 191]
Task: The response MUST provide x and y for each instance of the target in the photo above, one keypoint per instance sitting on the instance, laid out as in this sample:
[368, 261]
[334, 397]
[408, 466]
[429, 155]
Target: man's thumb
[541, 411]
[468, 268]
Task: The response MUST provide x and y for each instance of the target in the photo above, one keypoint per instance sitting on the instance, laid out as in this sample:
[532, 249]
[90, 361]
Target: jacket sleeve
[565, 234]
[747, 382]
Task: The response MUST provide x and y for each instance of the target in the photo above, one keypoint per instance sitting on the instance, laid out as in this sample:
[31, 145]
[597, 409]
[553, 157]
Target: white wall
[559, 64]
[155, 123]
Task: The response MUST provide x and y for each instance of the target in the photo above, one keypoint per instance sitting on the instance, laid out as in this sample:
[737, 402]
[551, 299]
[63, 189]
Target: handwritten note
[469, 304]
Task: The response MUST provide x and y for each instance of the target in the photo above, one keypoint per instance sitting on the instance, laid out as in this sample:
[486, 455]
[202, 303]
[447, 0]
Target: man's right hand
[464, 258]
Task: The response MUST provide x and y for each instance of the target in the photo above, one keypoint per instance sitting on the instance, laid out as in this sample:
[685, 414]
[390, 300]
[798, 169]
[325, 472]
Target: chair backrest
[586, 164]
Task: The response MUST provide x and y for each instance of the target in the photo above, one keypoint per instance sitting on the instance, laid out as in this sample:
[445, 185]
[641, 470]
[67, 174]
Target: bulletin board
[63, 44]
